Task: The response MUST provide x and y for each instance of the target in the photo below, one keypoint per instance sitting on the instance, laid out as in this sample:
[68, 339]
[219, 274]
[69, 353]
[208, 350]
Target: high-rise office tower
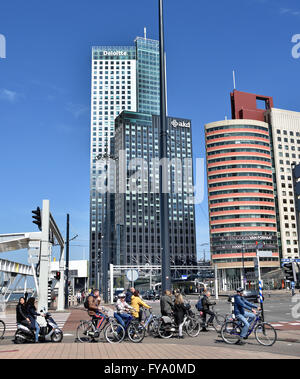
[137, 215]
[123, 78]
[241, 194]
[286, 146]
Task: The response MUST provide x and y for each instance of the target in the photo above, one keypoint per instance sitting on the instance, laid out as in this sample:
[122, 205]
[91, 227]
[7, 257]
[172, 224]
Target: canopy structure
[39, 245]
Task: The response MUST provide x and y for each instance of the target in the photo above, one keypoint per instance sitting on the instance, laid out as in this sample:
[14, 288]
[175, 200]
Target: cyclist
[136, 302]
[207, 303]
[240, 304]
[123, 309]
[166, 304]
[99, 316]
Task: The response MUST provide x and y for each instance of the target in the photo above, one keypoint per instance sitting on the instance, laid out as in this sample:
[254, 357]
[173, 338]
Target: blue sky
[45, 87]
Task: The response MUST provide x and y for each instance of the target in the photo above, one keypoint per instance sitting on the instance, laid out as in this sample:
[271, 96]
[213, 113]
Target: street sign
[132, 275]
[264, 253]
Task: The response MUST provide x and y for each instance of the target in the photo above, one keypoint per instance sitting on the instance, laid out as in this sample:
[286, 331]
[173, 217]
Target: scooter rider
[22, 315]
[240, 304]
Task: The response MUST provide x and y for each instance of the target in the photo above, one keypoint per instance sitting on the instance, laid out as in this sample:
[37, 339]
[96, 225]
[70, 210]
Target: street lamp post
[163, 177]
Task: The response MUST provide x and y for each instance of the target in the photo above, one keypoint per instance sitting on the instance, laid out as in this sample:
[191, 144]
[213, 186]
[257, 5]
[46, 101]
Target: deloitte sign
[117, 53]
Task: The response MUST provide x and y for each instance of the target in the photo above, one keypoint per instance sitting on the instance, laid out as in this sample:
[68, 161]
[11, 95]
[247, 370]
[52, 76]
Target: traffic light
[57, 275]
[37, 218]
[288, 271]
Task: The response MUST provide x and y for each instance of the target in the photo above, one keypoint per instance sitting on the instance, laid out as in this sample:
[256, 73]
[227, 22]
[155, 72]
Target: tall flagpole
[164, 174]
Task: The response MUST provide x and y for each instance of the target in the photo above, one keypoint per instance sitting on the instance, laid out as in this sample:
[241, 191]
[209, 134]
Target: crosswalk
[11, 325]
[286, 324]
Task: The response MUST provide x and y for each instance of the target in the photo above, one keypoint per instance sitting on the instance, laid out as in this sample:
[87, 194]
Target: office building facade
[240, 196]
[123, 78]
[286, 145]
[137, 215]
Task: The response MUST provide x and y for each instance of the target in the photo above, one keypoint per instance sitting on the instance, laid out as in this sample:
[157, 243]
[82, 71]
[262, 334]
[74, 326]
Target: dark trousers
[211, 318]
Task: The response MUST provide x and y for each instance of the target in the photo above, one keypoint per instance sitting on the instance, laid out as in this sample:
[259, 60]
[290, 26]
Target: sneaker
[203, 330]
[240, 342]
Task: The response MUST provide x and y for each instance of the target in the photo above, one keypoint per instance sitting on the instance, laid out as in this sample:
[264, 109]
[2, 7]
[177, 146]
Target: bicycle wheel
[265, 334]
[218, 321]
[114, 332]
[192, 327]
[85, 331]
[136, 332]
[152, 328]
[164, 331]
[2, 329]
[230, 332]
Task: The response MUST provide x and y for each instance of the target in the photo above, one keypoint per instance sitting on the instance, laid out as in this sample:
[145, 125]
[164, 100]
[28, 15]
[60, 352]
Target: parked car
[252, 296]
[117, 293]
[151, 295]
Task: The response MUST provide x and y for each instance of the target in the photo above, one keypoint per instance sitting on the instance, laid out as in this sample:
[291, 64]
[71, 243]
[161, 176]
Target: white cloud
[289, 11]
[6, 94]
[77, 109]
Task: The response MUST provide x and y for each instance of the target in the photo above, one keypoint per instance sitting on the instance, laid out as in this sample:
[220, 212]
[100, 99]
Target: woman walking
[179, 312]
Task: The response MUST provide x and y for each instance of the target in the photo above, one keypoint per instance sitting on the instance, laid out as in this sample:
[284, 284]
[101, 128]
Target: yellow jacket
[136, 302]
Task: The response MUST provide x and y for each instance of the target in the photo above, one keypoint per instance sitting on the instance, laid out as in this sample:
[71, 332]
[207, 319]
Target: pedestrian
[166, 304]
[179, 312]
[78, 296]
[206, 304]
[32, 313]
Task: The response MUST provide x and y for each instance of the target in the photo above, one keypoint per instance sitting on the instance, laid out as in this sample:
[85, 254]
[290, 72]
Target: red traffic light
[57, 275]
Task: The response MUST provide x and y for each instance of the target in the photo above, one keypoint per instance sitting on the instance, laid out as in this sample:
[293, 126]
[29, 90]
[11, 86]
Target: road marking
[277, 325]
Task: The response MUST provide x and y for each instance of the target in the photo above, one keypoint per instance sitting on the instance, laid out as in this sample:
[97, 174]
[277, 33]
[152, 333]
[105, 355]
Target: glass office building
[122, 78]
[137, 210]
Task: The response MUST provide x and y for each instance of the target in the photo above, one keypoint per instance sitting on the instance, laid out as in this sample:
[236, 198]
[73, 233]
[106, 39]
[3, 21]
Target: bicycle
[2, 329]
[113, 331]
[134, 330]
[191, 326]
[151, 323]
[265, 334]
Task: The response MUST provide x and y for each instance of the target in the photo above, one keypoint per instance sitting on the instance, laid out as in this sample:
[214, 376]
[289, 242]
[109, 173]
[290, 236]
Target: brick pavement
[129, 350]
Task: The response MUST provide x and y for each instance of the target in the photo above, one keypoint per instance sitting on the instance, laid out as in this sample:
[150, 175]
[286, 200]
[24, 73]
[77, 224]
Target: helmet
[121, 295]
[240, 289]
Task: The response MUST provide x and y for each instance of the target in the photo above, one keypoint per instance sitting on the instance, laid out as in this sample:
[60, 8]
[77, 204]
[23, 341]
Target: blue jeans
[123, 318]
[37, 331]
[247, 318]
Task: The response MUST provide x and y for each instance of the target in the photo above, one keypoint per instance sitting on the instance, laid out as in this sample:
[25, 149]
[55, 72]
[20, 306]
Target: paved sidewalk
[129, 350]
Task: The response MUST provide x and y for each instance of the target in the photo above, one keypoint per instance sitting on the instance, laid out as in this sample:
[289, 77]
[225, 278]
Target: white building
[286, 145]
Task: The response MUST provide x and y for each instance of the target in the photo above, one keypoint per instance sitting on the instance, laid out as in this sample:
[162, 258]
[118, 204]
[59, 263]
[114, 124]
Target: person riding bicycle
[240, 304]
[136, 303]
[122, 315]
[206, 304]
[166, 304]
[98, 314]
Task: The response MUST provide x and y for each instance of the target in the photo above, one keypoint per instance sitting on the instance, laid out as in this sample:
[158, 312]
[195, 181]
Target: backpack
[86, 302]
[199, 305]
